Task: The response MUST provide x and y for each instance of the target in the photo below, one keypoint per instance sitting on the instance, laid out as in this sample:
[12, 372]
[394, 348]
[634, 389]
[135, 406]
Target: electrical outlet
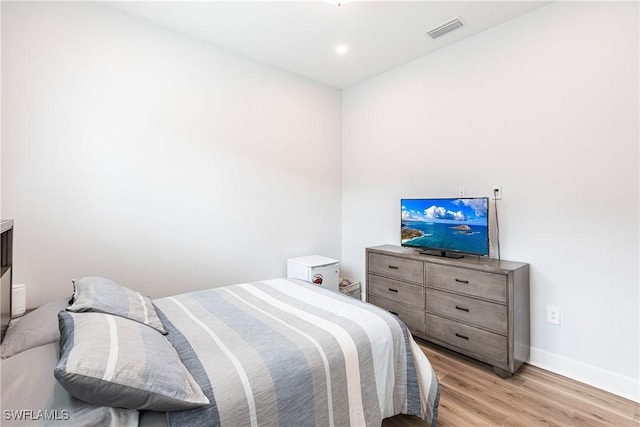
[496, 192]
[462, 192]
[553, 315]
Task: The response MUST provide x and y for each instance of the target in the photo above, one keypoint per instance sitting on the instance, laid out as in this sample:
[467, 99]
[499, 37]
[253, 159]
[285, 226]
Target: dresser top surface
[469, 261]
[6, 224]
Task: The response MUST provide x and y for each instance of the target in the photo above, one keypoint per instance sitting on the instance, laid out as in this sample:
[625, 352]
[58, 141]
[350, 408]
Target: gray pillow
[113, 361]
[36, 328]
[106, 296]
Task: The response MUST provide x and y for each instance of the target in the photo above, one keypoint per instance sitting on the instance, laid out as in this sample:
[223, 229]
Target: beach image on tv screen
[446, 224]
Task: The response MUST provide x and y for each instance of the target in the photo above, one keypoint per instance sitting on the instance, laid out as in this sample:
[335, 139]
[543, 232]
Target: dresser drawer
[483, 345]
[471, 282]
[485, 314]
[412, 317]
[401, 292]
[400, 268]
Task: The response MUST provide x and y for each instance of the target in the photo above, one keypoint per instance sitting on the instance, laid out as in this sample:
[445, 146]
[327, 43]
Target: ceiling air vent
[445, 28]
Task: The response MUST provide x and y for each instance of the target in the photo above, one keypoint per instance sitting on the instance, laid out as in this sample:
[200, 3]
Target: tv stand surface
[442, 254]
[477, 307]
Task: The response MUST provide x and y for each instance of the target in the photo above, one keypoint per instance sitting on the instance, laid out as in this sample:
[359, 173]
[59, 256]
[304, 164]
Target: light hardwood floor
[471, 395]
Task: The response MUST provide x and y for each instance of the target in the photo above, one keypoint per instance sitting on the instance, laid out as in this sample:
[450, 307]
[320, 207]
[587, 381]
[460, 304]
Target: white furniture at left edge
[319, 270]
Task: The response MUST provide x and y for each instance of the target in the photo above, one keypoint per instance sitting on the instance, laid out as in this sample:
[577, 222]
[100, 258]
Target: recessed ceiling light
[337, 2]
[342, 49]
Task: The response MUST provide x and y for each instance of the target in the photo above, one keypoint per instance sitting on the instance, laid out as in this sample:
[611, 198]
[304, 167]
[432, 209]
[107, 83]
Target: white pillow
[36, 328]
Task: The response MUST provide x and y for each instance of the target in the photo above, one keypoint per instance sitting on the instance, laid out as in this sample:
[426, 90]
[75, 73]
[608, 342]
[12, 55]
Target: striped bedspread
[284, 352]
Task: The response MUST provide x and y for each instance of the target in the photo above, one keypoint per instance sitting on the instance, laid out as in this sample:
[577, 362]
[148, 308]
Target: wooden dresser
[476, 307]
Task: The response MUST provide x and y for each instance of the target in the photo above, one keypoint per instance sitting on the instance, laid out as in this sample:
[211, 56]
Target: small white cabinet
[319, 270]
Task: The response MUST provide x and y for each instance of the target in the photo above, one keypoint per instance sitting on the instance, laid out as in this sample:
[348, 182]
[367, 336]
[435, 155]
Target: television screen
[446, 225]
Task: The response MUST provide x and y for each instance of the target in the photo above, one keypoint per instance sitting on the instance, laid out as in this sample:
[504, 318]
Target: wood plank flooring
[471, 395]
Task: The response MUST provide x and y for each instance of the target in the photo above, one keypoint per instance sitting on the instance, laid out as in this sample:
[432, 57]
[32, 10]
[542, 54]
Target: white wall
[545, 105]
[133, 152]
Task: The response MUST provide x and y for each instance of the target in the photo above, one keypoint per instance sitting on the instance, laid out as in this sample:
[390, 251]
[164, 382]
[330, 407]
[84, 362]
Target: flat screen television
[446, 227]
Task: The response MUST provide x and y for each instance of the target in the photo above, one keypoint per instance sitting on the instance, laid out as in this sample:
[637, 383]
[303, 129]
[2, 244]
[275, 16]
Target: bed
[275, 352]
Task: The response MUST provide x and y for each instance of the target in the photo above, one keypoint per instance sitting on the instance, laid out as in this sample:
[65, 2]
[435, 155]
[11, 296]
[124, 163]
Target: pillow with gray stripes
[113, 361]
[102, 295]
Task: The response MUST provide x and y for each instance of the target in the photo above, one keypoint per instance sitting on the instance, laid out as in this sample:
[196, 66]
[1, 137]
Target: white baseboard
[628, 388]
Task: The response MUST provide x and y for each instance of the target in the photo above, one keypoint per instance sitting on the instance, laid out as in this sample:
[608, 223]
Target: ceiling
[302, 36]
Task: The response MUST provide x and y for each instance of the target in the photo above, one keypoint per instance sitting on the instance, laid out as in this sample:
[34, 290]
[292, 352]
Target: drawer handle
[393, 312]
[462, 281]
[461, 336]
[393, 267]
[393, 290]
[462, 309]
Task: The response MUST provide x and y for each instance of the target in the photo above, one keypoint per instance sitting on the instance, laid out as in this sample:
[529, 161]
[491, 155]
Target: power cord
[495, 205]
